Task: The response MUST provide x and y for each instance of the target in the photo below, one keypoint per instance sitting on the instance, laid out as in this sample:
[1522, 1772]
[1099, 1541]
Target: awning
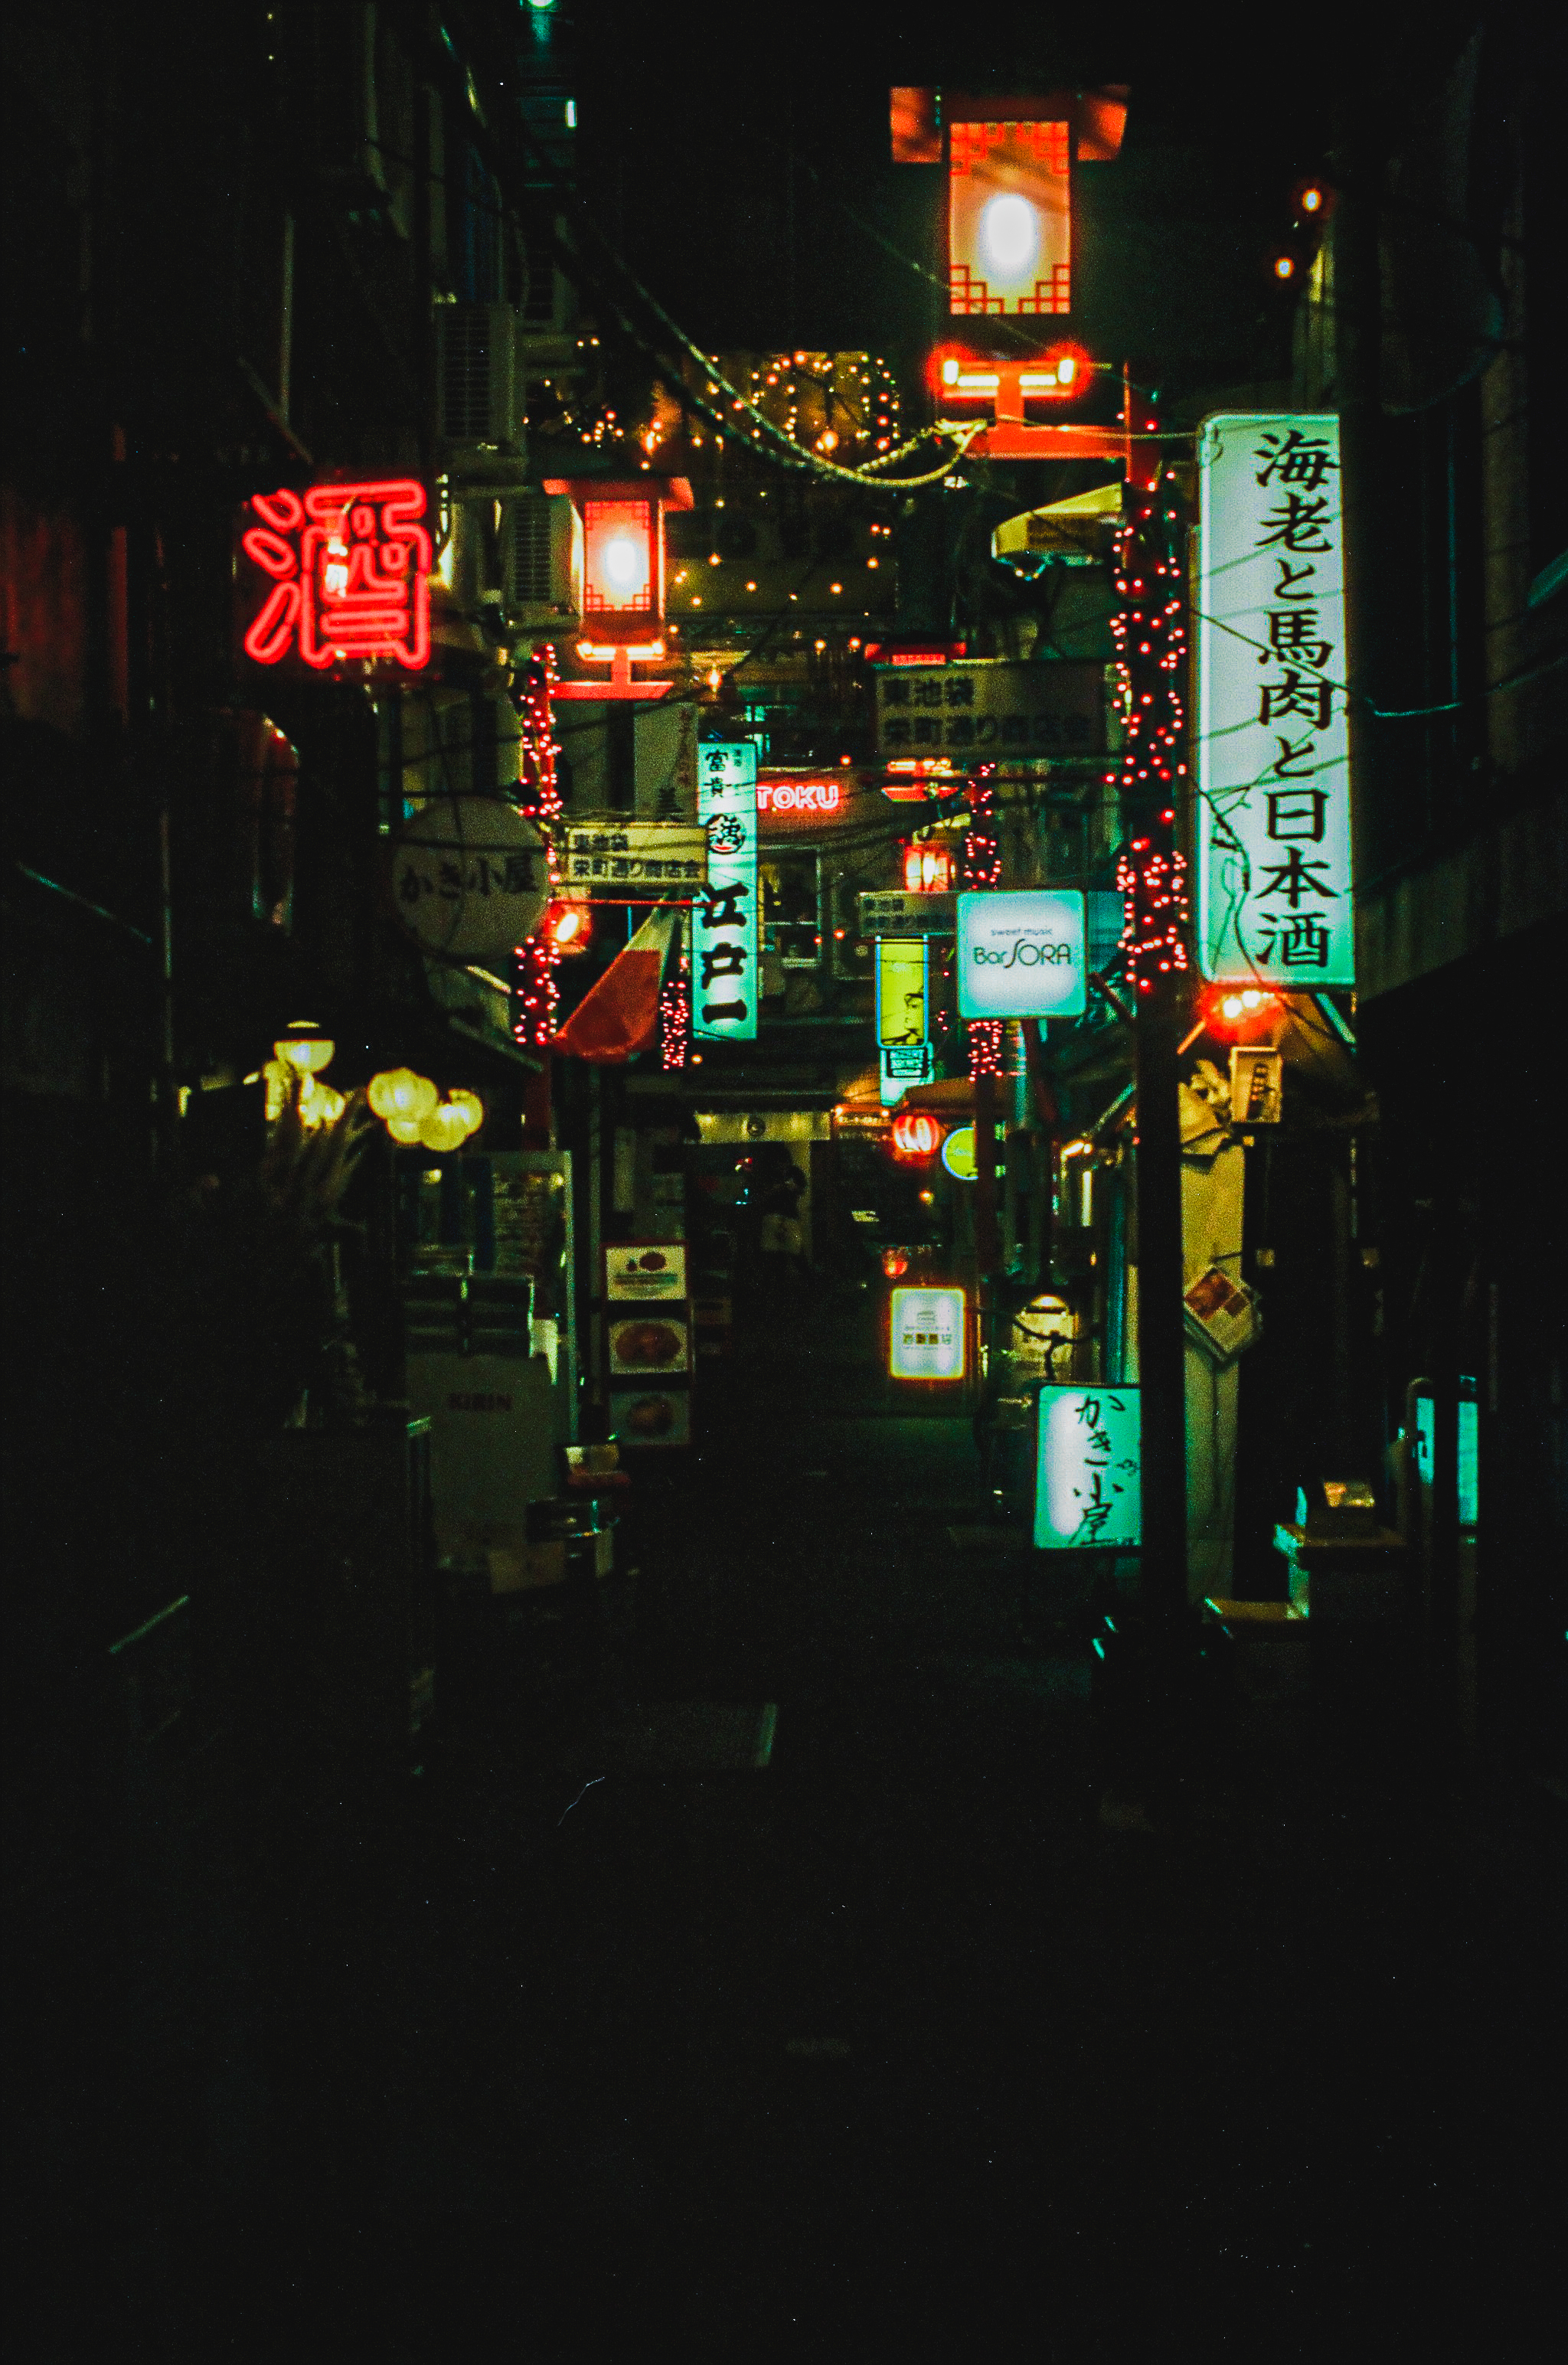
[1071, 533]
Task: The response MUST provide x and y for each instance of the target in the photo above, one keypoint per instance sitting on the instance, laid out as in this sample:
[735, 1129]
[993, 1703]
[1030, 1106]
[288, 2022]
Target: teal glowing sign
[1087, 1485]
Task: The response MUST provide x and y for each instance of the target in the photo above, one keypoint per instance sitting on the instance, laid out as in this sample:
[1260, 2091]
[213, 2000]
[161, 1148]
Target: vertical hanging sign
[1274, 889]
[724, 920]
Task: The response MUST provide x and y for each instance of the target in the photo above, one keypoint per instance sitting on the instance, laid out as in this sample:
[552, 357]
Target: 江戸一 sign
[470, 878]
[1088, 1484]
[926, 1339]
[986, 708]
[1021, 954]
[724, 919]
[1274, 886]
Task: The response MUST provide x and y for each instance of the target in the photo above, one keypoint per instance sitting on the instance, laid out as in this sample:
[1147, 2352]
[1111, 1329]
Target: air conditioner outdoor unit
[536, 546]
[480, 385]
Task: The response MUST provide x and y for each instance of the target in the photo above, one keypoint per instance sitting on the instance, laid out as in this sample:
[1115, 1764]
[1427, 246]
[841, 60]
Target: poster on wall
[1021, 954]
[1273, 845]
[646, 1270]
[645, 1346]
[650, 1416]
[1087, 1480]
[725, 985]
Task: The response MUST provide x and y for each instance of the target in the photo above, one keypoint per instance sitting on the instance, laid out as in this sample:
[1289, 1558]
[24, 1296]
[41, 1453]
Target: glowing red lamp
[927, 870]
[617, 568]
[569, 928]
[1238, 1014]
[1063, 372]
[916, 1134]
[895, 1265]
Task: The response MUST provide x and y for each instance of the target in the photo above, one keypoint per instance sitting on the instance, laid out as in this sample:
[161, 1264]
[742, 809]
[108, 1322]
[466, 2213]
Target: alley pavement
[805, 1972]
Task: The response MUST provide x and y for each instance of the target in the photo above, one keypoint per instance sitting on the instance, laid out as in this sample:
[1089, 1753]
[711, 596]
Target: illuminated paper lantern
[1009, 218]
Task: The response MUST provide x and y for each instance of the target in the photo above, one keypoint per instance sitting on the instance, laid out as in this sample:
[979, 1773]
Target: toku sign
[723, 922]
[349, 566]
[1021, 955]
[1274, 887]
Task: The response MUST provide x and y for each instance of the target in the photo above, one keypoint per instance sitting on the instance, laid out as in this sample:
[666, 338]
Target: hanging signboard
[903, 989]
[606, 858]
[470, 878]
[890, 911]
[981, 708]
[903, 1064]
[1021, 954]
[723, 922]
[1088, 1484]
[926, 1339]
[1274, 900]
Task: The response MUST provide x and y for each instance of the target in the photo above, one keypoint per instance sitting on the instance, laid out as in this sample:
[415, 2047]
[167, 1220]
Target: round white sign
[470, 878]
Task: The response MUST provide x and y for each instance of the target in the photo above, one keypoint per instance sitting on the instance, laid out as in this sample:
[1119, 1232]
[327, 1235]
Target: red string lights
[1150, 633]
[535, 994]
[982, 867]
[675, 1017]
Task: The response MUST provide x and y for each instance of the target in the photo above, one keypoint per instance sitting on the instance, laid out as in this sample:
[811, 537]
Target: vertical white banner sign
[724, 918]
[1274, 888]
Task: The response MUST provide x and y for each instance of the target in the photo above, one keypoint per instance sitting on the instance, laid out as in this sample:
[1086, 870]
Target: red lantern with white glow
[618, 575]
[928, 870]
[1235, 1013]
[917, 1136]
[569, 928]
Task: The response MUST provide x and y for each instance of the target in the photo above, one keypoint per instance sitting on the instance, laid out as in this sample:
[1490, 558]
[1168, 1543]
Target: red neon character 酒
[349, 566]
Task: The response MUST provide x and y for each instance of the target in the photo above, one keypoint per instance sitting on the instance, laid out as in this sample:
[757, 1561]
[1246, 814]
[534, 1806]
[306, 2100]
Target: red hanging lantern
[927, 870]
[916, 1134]
[895, 1265]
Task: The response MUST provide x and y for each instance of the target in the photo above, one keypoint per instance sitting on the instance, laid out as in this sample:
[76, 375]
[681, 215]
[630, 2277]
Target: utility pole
[1151, 633]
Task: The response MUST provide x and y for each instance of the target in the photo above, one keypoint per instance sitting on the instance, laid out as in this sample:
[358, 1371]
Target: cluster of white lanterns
[413, 1111]
[409, 1105]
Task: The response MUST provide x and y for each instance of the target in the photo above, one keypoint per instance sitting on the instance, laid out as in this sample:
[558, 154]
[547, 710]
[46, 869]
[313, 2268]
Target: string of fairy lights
[535, 988]
[981, 865]
[1150, 634]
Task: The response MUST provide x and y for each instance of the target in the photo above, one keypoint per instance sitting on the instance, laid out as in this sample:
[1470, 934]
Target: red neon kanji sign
[350, 567]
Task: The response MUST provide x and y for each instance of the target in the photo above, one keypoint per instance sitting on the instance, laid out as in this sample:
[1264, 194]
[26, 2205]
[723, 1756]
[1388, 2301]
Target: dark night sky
[687, 119]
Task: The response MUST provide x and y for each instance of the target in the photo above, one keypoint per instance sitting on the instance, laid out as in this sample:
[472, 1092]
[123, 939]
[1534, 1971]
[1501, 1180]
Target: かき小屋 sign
[1087, 1480]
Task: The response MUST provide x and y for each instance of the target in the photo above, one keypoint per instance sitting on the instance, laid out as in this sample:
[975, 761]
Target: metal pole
[1161, 1343]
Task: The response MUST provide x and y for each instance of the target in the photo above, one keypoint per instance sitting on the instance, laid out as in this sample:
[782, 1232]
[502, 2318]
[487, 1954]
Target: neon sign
[800, 800]
[350, 567]
[916, 1134]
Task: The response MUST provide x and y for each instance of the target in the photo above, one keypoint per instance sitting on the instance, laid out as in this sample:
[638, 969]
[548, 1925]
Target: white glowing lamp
[470, 1107]
[305, 1045]
[399, 1092]
[445, 1128]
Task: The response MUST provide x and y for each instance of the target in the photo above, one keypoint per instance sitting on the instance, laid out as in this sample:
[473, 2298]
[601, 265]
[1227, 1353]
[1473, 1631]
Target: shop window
[791, 908]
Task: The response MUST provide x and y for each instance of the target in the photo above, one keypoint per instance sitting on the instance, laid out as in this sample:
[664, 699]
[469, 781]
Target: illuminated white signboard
[927, 1337]
[723, 922]
[1275, 904]
[1021, 955]
[1088, 1489]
